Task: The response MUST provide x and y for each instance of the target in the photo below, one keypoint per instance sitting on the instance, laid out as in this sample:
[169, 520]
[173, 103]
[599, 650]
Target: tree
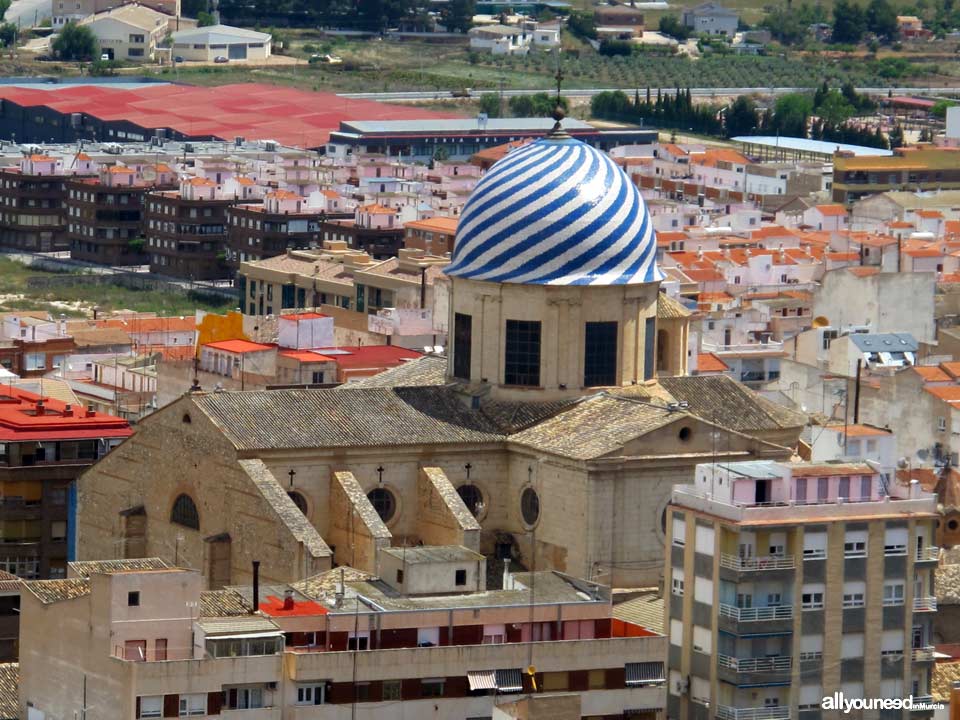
[616, 47]
[581, 24]
[849, 22]
[205, 19]
[193, 8]
[4, 6]
[939, 109]
[790, 114]
[785, 26]
[882, 19]
[834, 109]
[741, 117]
[670, 25]
[8, 34]
[490, 104]
[458, 15]
[76, 42]
[896, 137]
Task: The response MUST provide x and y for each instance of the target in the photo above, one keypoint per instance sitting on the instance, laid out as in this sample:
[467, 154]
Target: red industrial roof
[251, 110]
[21, 420]
[368, 356]
[239, 346]
[299, 608]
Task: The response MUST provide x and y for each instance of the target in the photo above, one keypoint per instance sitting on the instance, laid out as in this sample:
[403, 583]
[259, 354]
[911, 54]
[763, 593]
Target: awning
[482, 680]
[644, 673]
[246, 636]
[504, 681]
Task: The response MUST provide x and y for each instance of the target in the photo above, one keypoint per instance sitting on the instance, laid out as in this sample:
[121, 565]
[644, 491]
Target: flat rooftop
[822, 147]
[458, 125]
[433, 554]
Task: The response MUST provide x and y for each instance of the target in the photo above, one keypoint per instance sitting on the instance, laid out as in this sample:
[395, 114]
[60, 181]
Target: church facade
[549, 435]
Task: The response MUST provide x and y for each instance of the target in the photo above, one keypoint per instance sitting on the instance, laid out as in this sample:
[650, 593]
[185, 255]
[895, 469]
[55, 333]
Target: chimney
[68, 410]
[255, 605]
[288, 599]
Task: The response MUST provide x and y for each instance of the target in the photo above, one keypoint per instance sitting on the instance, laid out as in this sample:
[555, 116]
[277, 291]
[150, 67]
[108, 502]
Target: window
[811, 597]
[151, 707]
[853, 594]
[494, 634]
[891, 645]
[35, 361]
[133, 599]
[530, 506]
[851, 646]
[472, 498]
[299, 500]
[600, 354]
[893, 593]
[942, 424]
[185, 513]
[597, 679]
[195, 704]
[358, 642]
[810, 697]
[462, 345]
[866, 487]
[555, 682]
[649, 340]
[428, 637]
[814, 545]
[432, 687]
[383, 502]
[800, 490]
[461, 578]
[679, 531]
[160, 649]
[316, 694]
[58, 530]
[703, 590]
[522, 354]
[811, 647]
[317, 378]
[704, 539]
[855, 544]
[823, 489]
[702, 639]
[245, 698]
[134, 52]
[676, 632]
[895, 541]
[676, 582]
[843, 490]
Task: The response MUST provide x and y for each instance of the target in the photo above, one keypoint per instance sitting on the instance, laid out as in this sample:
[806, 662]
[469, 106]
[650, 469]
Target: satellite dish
[820, 321]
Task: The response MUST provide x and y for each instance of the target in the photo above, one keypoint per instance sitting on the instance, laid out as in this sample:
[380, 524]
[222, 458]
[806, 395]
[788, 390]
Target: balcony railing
[925, 604]
[923, 654]
[766, 562]
[774, 712]
[758, 614]
[777, 663]
[928, 554]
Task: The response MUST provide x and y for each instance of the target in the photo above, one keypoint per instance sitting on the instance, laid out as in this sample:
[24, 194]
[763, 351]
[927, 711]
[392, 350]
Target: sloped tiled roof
[326, 583]
[86, 568]
[668, 308]
[222, 603]
[51, 591]
[645, 611]
[9, 691]
[342, 418]
[424, 371]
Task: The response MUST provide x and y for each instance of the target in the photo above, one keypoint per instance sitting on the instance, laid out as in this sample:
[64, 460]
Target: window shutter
[410, 689]
[232, 698]
[138, 708]
[214, 703]
[171, 706]
[616, 677]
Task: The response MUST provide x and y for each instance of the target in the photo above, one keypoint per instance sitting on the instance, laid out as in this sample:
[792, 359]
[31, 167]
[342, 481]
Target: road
[580, 92]
[28, 13]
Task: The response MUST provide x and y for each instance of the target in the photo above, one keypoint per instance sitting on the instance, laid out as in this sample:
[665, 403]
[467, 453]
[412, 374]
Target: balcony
[923, 654]
[775, 712]
[928, 554]
[772, 664]
[759, 614]
[766, 562]
[925, 604]
[271, 713]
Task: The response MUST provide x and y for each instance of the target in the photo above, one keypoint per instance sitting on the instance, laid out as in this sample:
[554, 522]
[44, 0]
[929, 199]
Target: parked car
[104, 56]
[221, 59]
[178, 59]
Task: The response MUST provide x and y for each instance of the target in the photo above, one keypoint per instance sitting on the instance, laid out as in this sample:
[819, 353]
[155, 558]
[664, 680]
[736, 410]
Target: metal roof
[814, 146]
[884, 342]
[454, 125]
[239, 625]
[760, 469]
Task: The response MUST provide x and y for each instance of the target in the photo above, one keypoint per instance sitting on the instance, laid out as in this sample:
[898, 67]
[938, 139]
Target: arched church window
[383, 502]
[299, 500]
[530, 506]
[185, 512]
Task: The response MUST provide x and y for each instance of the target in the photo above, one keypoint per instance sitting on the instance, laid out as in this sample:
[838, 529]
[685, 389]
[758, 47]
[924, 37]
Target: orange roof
[305, 356]
[439, 224]
[297, 317]
[951, 368]
[120, 170]
[162, 168]
[770, 231]
[931, 373]
[332, 194]
[903, 224]
[201, 182]
[674, 149]
[708, 362]
[947, 393]
[703, 274]
[135, 325]
[284, 195]
[245, 181]
[832, 210]
[929, 214]
[716, 297]
[711, 157]
[860, 430]
[843, 256]
[950, 278]
[929, 251]
[42, 158]
[377, 209]
[82, 156]
[239, 346]
[863, 271]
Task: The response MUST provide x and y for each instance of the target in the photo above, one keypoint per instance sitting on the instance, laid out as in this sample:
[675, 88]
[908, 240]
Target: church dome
[556, 212]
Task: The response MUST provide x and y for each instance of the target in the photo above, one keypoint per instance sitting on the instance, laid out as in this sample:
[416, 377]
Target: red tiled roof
[297, 317]
[863, 271]
[947, 393]
[368, 356]
[860, 430]
[931, 373]
[832, 210]
[305, 356]
[708, 362]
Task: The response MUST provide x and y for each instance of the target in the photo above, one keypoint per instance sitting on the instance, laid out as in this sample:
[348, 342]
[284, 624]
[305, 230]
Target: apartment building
[31, 204]
[434, 236]
[130, 32]
[145, 641]
[105, 216]
[186, 230]
[44, 445]
[284, 220]
[910, 168]
[790, 582]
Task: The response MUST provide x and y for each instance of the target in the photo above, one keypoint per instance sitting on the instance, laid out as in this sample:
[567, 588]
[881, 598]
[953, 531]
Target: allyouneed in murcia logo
[838, 701]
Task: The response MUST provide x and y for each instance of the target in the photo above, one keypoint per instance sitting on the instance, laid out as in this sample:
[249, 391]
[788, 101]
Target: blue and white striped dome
[556, 212]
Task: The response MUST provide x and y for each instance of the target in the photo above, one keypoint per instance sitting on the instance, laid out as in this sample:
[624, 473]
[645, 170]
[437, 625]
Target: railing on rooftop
[776, 663]
[765, 562]
[774, 712]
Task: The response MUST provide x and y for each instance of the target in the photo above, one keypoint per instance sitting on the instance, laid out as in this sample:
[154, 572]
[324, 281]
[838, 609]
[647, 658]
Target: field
[78, 301]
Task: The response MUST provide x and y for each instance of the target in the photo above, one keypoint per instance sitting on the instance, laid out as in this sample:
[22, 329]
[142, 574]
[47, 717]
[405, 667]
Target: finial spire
[558, 114]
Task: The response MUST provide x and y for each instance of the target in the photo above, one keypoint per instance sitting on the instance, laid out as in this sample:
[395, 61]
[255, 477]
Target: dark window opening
[383, 502]
[299, 500]
[530, 506]
[399, 576]
[185, 513]
[133, 599]
[650, 341]
[462, 345]
[522, 359]
[472, 498]
[461, 578]
[600, 354]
